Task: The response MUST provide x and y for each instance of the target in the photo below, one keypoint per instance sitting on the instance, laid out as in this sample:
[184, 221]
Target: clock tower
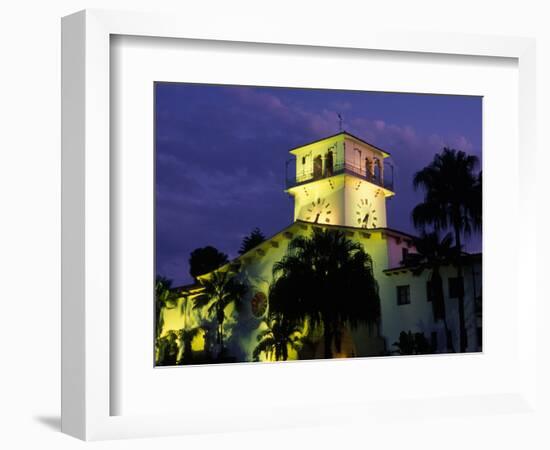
[341, 180]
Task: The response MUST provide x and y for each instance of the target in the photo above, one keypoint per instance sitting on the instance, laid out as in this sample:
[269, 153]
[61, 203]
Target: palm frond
[265, 346]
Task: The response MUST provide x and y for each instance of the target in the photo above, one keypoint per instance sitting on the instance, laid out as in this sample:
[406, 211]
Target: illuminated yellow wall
[257, 269]
[337, 201]
[356, 152]
[306, 155]
[322, 200]
[341, 199]
[361, 198]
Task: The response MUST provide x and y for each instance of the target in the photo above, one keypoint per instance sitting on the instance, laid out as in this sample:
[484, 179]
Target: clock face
[319, 211]
[259, 304]
[365, 214]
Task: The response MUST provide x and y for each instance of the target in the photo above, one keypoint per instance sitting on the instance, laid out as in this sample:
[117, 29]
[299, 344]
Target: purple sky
[221, 152]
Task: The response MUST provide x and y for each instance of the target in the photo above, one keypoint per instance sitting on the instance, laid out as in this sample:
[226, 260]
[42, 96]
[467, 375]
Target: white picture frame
[86, 245]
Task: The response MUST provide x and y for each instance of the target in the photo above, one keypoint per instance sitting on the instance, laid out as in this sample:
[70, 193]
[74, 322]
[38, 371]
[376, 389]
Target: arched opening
[317, 167]
[377, 170]
[329, 164]
[368, 168]
[356, 160]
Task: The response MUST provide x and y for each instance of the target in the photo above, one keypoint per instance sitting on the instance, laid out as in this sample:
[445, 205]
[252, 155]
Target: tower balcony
[303, 177]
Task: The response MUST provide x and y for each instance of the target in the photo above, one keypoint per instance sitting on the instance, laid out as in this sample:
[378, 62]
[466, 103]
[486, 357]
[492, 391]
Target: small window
[303, 159]
[456, 287]
[404, 254]
[403, 295]
[429, 291]
[317, 166]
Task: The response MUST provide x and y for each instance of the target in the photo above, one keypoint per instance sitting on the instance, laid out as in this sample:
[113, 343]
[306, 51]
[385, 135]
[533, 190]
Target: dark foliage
[221, 289]
[328, 280]
[452, 199]
[279, 335]
[168, 349]
[412, 344]
[164, 298]
[452, 193]
[186, 336]
[431, 254]
[206, 259]
[256, 237]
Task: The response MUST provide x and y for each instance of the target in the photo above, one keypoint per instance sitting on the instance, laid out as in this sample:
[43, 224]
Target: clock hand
[317, 217]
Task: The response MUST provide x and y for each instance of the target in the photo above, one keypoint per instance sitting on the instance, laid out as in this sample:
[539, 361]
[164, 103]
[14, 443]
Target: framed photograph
[266, 228]
[337, 271]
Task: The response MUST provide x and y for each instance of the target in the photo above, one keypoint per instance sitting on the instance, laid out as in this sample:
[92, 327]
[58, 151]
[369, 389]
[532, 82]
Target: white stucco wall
[257, 271]
[357, 190]
[339, 201]
[330, 191]
[383, 246]
[305, 155]
[418, 316]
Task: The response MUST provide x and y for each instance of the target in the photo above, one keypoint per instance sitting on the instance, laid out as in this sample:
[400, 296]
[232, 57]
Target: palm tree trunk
[461, 319]
[185, 299]
[285, 352]
[439, 307]
[448, 338]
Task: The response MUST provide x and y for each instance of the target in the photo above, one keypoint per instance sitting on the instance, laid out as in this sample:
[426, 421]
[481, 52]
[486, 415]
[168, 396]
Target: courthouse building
[343, 182]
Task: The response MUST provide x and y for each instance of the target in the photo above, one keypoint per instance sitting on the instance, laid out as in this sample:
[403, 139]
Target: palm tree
[452, 198]
[187, 333]
[164, 298]
[431, 254]
[279, 336]
[184, 306]
[412, 344]
[167, 349]
[186, 336]
[221, 289]
[328, 280]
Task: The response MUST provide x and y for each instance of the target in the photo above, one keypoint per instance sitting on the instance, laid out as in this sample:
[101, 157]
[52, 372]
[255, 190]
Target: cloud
[375, 130]
[221, 154]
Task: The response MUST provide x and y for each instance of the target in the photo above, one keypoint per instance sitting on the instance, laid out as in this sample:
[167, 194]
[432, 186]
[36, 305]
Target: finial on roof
[340, 119]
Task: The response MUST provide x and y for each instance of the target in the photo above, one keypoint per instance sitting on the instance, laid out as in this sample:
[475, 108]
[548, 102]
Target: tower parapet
[341, 180]
[341, 153]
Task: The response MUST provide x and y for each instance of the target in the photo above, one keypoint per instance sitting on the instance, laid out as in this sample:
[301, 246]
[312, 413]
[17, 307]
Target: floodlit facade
[342, 182]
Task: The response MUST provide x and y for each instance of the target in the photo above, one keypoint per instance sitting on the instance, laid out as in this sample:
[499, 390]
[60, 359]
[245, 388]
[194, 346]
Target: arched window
[317, 167]
[377, 169]
[329, 164]
[357, 160]
[368, 168]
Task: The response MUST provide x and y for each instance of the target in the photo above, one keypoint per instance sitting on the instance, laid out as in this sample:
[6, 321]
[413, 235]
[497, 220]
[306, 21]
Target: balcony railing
[337, 169]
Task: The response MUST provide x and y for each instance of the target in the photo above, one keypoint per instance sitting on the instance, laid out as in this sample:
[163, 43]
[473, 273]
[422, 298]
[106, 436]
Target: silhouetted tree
[412, 344]
[205, 259]
[168, 349]
[452, 198]
[186, 336]
[328, 280]
[476, 208]
[221, 289]
[279, 336]
[431, 254]
[187, 332]
[256, 237]
[164, 298]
